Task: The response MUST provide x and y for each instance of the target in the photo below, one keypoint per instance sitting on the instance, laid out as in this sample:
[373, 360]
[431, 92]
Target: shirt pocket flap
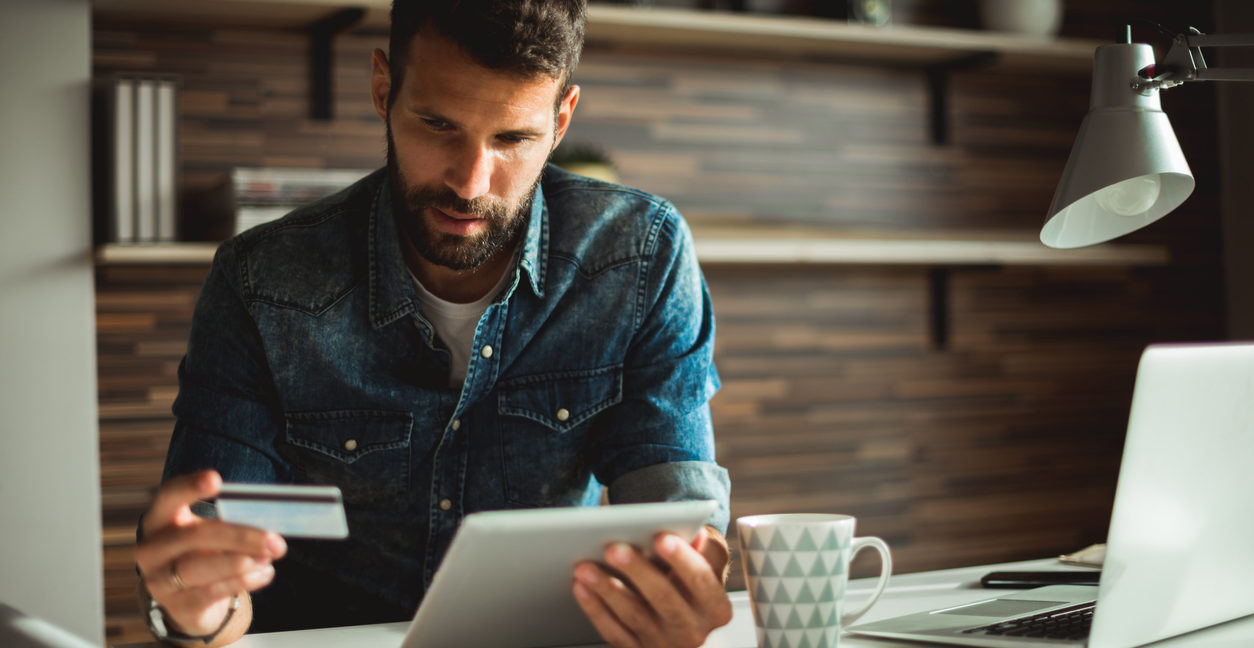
[349, 435]
[562, 400]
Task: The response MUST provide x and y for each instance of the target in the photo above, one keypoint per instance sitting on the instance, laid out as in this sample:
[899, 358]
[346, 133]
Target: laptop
[1180, 551]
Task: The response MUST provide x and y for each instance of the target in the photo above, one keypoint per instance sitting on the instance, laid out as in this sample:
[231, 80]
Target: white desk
[906, 593]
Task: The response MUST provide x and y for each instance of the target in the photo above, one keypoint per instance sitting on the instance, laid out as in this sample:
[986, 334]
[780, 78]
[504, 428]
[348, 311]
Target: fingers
[194, 567]
[213, 561]
[205, 570]
[696, 574]
[655, 587]
[175, 497]
[607, 624]
[210, 576]
[208, 536]
[675, 602]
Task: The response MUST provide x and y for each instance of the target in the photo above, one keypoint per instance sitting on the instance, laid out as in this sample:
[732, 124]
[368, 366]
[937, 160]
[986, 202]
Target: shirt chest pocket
[544, 425]
[364, 452]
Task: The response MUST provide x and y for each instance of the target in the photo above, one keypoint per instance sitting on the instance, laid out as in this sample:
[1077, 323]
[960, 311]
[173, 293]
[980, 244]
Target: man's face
[466, 146]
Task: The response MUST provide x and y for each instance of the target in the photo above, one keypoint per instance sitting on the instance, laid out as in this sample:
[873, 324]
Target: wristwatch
[157, 625]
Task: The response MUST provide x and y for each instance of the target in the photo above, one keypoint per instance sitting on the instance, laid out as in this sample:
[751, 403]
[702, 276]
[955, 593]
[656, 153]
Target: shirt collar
[392, 294]
[535, 254]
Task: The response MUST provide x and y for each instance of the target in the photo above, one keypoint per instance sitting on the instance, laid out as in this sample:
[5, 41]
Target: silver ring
[174, 577]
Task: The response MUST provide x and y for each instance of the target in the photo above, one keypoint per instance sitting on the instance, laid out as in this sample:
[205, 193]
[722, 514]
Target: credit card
[290, 511]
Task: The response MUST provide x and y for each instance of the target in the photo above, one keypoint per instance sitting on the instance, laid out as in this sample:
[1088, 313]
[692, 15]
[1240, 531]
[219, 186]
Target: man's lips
[454, 223]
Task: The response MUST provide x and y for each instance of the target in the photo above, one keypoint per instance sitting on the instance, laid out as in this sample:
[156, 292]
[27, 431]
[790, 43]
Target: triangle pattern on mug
[812, 638]
[797, 585]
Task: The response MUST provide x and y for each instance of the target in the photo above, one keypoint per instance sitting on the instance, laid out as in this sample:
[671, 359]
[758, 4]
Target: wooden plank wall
[1001, 446]
[143, 316]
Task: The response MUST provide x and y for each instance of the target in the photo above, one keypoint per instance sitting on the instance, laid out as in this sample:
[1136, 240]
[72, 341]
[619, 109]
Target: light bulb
[1131, 197]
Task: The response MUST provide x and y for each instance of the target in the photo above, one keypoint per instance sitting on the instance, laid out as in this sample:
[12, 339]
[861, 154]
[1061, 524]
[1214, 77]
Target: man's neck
[458, 286]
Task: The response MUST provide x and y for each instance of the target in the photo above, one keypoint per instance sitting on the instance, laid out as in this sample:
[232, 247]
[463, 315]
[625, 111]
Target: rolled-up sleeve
[677, 480]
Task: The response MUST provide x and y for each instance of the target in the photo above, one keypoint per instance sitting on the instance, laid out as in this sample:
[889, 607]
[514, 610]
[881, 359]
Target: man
[468, 329]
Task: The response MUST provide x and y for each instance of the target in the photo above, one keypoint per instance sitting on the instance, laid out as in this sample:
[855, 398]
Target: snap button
[563, 414]
[350, 445]
[457, 424]
[486, 351]
[446, 504]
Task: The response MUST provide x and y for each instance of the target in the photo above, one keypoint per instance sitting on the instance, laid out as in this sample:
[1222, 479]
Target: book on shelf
[263, 194]
[122, 219]
[135, 158]
[145, 161]
[167, 162]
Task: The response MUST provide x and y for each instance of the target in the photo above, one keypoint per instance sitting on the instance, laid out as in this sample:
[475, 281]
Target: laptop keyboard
[1065, 623]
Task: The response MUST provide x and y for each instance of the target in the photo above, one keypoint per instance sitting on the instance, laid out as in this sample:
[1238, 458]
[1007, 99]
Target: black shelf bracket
[940, 312]
[938, 92]
[938, 301]
[322, 56]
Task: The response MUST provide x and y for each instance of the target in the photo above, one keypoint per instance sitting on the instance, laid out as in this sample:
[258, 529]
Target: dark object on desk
[1026, 579]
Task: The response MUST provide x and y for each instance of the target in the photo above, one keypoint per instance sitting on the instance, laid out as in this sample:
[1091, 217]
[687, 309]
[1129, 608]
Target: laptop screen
[1179, 550]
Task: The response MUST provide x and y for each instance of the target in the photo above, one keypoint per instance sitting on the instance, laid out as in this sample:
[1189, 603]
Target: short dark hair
[525, 37]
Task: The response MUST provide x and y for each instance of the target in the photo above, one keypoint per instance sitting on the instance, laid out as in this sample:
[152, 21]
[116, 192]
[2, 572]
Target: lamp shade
[1126, 169]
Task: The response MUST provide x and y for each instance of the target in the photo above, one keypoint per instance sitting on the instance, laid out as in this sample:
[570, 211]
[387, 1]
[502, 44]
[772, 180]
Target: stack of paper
[264, 194]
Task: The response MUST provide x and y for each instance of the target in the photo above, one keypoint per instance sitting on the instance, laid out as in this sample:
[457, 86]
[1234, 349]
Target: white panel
[50, 566]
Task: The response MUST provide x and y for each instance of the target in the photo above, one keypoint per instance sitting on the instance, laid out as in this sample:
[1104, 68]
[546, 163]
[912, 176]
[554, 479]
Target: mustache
[446, 199]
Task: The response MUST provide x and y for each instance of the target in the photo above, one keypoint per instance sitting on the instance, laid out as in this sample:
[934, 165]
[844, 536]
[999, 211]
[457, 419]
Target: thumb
[172, 505]
[699, 542]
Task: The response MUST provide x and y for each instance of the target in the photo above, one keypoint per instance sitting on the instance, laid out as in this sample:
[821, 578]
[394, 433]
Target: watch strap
[161, 630]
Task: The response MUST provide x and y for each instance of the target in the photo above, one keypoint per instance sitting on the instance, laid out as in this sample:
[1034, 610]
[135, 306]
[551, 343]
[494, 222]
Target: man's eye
[435, 124]
[513, 139]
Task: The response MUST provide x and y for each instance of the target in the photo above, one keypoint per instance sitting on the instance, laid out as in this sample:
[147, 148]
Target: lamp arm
[1224, 74]
[1184, 61]
[1217, 40]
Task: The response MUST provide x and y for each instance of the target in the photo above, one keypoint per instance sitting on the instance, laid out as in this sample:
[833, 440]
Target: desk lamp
[1126, 169]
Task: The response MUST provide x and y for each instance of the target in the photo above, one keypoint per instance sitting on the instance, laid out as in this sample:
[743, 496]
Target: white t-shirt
[455, 325]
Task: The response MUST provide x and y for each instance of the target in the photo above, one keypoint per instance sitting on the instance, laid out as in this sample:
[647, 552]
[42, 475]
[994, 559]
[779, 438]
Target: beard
[503, 222]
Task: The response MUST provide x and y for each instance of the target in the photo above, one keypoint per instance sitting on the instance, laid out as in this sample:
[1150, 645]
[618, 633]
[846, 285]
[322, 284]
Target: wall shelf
[800, 245]
[268, 14]
[155, 253]
[937, 51]
[679, 28]
[764, 246]
[817, 37]
[753, 246]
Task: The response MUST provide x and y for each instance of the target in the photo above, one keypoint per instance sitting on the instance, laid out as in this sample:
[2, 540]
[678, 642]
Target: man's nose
[470, 173]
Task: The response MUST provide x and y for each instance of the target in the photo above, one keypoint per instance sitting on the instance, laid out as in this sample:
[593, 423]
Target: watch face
[156, 620]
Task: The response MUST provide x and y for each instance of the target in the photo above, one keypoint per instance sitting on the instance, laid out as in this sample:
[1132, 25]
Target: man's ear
[564, 112]
[380, 83]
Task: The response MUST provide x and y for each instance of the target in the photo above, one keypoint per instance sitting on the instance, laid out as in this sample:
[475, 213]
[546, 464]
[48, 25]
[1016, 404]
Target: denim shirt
[310, 361]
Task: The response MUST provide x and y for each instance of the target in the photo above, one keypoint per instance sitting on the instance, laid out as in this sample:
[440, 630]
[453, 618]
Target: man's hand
[676, 601]
[193, 567]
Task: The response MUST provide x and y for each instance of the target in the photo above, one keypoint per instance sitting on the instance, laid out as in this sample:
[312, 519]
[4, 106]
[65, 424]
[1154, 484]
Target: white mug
[797, 568]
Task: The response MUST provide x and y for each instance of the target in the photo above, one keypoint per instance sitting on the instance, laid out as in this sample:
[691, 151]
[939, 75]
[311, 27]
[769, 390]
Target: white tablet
[506, 579]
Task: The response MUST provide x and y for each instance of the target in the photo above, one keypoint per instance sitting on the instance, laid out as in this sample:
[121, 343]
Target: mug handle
[886, 568]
